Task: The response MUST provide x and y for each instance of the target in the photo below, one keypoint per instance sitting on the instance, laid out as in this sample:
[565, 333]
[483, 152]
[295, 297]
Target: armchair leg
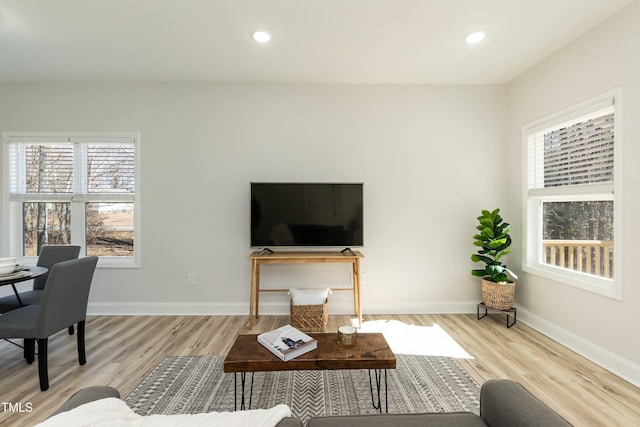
[82, 357]
[29, 350]
[71, 330]
[43, 371]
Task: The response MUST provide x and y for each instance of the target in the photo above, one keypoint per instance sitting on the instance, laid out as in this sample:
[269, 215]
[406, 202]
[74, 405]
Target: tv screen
[306, 214]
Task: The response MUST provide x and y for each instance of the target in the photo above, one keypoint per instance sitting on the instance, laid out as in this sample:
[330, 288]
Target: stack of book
[287, 342]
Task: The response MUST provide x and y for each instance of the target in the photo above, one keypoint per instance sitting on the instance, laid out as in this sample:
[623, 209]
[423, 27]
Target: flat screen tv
[306, 214]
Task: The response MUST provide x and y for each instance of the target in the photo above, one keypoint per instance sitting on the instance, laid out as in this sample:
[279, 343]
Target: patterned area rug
[197, 384]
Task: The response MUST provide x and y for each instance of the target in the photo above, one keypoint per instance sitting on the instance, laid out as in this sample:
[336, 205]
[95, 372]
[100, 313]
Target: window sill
[118, 262]
[609, 288]
[103, 262]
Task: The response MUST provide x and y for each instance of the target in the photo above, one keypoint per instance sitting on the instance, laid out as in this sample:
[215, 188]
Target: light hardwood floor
[122, 351]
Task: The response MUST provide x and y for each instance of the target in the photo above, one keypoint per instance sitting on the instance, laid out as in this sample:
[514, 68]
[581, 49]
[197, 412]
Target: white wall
[424, 153]
[603, 59]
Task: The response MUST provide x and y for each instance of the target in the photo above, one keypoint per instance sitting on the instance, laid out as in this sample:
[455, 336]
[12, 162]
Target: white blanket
[114, 412]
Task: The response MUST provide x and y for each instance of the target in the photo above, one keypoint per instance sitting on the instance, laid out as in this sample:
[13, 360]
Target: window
[573, 197]
[74, 189]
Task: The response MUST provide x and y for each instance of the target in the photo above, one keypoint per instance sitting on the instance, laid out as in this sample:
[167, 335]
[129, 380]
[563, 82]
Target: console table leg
[257, 289]
[378, 404]
[255, 292]
[356, 291]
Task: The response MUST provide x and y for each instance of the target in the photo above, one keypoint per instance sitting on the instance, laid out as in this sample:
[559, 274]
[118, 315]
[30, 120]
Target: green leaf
[494, 244]
[494, 269]
[479, 273]
[502, 253]
[502, 228]
[500, 278]
[487, 232]
[486, 222]
[481, 258]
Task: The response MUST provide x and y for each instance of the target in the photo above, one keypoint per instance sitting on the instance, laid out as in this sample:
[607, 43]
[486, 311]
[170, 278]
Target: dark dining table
[29, 273]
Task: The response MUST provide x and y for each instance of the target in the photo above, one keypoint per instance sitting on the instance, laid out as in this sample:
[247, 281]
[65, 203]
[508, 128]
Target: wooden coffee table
[370, 352]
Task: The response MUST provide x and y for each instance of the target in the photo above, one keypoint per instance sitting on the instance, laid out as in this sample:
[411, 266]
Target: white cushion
[309, 296]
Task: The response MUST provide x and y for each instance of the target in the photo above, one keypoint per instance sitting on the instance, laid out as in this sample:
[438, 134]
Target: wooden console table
[260, 258]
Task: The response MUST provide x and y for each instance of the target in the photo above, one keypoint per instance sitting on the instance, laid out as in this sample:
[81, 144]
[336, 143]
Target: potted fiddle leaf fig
[493, 241]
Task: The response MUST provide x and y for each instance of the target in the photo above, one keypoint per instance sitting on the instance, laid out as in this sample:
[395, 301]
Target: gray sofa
[503, 403]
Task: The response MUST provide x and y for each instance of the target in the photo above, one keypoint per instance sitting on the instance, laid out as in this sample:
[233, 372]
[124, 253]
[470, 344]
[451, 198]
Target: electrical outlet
[191, 279]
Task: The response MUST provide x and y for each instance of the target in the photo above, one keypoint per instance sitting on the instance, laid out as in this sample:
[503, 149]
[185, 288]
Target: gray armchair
[63, 304]
[49, 255]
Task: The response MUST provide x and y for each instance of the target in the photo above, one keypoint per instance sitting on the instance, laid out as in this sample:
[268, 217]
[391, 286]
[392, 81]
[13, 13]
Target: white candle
[347, 336]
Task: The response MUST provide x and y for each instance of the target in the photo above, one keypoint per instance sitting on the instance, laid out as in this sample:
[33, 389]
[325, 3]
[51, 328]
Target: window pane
[45, 224]
[580, 153]
[49, 168]
[579, 236]
[110, 168]
[109, 229]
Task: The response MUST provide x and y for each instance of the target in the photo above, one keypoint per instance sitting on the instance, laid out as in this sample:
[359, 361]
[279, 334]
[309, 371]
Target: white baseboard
[168, 309]
[612, 362]
[267, 308]
[420, 308]
[615, 364]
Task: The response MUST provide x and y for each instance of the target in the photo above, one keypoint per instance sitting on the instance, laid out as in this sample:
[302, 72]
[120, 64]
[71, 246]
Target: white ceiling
[314, 41]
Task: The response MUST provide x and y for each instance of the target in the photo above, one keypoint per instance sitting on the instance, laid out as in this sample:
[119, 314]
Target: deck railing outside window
[587, 256]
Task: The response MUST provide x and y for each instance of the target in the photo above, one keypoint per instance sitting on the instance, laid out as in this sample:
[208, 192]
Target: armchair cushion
[451, 419]
[505, 403]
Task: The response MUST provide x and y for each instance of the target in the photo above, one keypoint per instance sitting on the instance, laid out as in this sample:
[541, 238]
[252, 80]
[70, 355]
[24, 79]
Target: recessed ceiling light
[474, 38]
[261, 36]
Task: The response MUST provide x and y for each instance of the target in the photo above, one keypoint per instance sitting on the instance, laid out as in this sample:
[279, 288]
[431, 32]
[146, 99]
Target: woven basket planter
[309, 318]
[500, 296]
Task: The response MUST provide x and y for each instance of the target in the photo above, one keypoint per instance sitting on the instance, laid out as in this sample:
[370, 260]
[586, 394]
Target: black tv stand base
[349, 250]
[265, 251]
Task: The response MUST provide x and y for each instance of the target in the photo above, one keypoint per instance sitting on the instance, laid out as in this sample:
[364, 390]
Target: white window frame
[533, 198]
[13, 226]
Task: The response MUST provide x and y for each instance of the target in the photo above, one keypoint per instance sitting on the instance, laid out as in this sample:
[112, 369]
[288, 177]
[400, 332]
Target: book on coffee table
[287, 342]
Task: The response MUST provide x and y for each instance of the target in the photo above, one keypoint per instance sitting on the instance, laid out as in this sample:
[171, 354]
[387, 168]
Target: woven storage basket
[500, 296]
[309, 318]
